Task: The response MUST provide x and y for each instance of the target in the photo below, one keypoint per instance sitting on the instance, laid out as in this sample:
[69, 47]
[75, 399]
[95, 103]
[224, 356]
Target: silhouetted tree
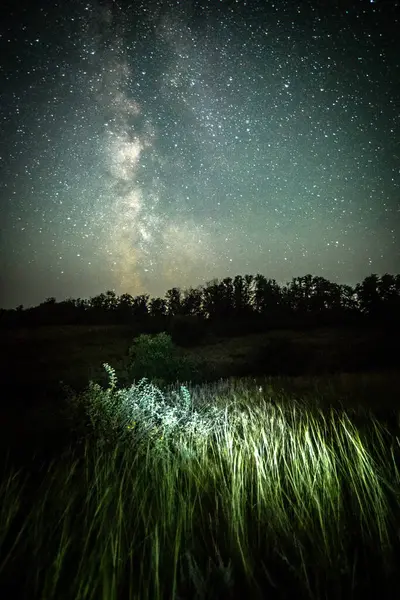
[226, 300]
[140, 308]
[192, 302]
[158, 307]
[368, 295]
[324, 295]
[211, 295]
[232, 305]
[174, 301]
[124, 308]
[98, 309]
[267, 295]
[242, 295]
[348, 298]
[389, 292]
[98, 302]
[218, 300]
[111, 301]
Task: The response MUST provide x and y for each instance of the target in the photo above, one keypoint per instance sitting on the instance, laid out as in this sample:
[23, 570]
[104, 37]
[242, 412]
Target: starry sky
[156, 144]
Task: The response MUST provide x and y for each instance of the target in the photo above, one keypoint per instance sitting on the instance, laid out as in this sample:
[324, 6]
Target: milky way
[170, 143]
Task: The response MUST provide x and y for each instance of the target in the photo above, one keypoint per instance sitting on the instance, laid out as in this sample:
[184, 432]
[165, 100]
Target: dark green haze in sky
[158, 144]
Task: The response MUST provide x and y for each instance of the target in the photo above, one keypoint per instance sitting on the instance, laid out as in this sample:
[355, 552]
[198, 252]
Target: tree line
[243, 302]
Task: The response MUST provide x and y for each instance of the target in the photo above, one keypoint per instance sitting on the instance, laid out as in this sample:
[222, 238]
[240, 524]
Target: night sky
[169, 143]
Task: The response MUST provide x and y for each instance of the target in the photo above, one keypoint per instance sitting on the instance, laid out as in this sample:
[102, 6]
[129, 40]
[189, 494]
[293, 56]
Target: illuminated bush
[143, 410]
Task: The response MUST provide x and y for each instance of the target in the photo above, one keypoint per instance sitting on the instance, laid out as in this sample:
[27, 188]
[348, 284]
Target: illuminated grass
[208, 500]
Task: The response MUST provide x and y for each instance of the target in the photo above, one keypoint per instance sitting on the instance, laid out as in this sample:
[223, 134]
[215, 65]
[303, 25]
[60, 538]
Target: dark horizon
[200, 286]
[306, 301]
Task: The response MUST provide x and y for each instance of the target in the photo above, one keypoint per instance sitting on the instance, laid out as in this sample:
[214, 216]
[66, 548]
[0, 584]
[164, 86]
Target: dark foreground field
[281, 482]
[34, 361]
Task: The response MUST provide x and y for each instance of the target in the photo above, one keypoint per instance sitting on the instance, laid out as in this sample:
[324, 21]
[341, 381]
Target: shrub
[142, 410]
[157, 358]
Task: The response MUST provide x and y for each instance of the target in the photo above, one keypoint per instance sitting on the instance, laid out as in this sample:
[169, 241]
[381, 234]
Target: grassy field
[349, 364]
[264, 496]
[260, 486]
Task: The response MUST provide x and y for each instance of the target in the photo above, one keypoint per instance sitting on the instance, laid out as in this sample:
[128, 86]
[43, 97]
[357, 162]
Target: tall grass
[207, 497]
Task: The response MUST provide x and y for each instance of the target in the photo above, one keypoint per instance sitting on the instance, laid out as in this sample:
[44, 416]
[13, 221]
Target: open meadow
[252, 481]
